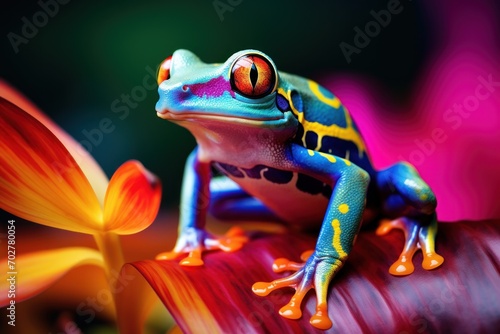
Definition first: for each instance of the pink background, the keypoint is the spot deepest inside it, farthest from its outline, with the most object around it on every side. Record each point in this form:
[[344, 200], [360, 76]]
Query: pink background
[[456, 153]]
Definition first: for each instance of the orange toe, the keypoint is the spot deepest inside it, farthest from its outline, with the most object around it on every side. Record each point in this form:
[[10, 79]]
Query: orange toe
[[230, 245], [290, 311], [401, 268], [261, 289], [282, 264], [432, 261], [306, 255], [385, 227], [167, 256], [321, 320], [193, 259]]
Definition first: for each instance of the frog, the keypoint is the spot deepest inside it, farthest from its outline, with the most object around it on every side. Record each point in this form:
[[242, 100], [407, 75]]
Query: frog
[[275, 146]]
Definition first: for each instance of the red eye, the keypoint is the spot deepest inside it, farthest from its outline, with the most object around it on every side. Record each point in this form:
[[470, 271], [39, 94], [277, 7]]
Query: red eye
[[164, 70], [253, 76]]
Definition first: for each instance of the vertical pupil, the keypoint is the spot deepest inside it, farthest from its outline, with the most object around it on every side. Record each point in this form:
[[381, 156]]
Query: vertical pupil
[[254, 74]]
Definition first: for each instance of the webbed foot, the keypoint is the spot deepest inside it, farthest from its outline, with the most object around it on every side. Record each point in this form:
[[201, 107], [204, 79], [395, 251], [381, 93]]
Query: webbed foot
[[417, 236], [315, 273], [195, 241]]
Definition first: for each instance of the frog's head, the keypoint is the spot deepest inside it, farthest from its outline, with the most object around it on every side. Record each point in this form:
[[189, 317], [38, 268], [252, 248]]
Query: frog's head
[[238, 94]]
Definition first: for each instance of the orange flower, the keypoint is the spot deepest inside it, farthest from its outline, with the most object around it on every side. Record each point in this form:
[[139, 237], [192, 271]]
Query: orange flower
[[48, 178], [41, 181]]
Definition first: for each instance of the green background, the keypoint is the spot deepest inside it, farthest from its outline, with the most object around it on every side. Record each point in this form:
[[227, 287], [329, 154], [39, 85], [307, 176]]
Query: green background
[[90, 53]]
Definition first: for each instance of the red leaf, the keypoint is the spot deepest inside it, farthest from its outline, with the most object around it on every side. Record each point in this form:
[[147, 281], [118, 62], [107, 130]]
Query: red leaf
[[364, 297]]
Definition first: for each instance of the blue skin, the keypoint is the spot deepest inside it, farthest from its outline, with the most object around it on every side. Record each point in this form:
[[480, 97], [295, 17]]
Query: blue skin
[[289, 152]]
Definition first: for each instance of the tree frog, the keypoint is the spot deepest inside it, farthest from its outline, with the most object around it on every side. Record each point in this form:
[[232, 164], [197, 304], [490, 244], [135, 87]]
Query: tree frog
[[288, 150]]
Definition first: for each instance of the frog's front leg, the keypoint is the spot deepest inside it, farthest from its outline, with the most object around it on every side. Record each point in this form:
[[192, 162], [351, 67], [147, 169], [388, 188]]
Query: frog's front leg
[[409, 200], [193, 239], [339, 228]]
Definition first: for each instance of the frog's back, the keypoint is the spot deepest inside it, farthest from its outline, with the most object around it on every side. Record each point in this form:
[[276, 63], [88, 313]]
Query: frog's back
[[325, 124]]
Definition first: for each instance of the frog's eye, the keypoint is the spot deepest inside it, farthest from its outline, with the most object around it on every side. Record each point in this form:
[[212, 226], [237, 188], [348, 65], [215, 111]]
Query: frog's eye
[[164, 70], [253, 76]]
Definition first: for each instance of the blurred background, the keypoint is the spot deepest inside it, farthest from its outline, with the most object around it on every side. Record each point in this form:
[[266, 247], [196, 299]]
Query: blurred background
[[92, 53], [85, 63]]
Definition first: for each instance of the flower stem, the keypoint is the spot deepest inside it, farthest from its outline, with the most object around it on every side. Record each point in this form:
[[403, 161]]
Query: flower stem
[[111, 250]]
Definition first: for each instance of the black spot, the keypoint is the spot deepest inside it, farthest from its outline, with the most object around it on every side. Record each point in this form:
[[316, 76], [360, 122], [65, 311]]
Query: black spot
[[230, 170], [309, 184], [338, 147], [278, 176], [271, 174], [311, 140], [327, 191], [254, 172], [313, 186], [298, 135]]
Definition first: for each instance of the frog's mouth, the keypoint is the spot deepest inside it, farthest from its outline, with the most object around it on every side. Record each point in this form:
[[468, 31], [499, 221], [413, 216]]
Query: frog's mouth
[[194, 116]]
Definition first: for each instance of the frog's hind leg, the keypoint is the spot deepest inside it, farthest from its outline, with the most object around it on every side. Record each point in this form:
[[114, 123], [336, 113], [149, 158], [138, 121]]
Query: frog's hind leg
[[228, 201], [408, 198]]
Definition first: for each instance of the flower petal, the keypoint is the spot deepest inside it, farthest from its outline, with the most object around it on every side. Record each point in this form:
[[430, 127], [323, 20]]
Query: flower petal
[[363, 297], [137, 300], [132, 199], [39, 180], [34, 272], [91, 169], [177, 291]]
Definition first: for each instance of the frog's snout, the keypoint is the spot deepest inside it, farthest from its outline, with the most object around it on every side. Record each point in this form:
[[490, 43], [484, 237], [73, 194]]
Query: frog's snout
[[172, 93], [178, 60]]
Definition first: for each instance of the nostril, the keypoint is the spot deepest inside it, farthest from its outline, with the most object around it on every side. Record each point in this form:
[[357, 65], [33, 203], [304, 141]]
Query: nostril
[[185, 88]]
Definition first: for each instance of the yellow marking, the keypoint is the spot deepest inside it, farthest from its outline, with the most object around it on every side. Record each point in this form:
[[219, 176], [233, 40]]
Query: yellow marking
[[348, 133], [344, 208], [330, 157], [347, 162], [336, 239], [331, 101], [423, 197], [311, 152]]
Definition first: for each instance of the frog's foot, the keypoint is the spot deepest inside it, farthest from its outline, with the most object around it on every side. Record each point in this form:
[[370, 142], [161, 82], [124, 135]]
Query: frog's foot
[[195, 241], [316, 274], [417, 236]]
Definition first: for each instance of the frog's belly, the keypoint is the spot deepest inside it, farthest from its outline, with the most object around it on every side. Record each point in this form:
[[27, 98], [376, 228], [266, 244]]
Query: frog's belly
[[292, 205]]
